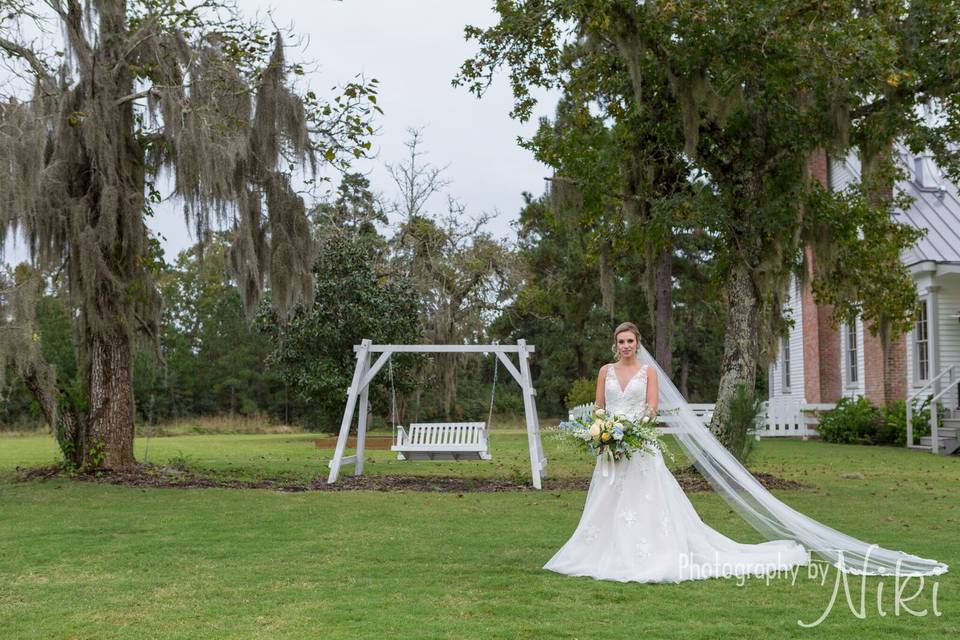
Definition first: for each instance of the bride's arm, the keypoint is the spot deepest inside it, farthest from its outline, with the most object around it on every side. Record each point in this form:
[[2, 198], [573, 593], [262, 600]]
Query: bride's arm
[[601, 400], [653, 394]]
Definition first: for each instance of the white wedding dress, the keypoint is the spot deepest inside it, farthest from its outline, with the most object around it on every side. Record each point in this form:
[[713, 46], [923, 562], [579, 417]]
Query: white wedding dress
[[638, 525]]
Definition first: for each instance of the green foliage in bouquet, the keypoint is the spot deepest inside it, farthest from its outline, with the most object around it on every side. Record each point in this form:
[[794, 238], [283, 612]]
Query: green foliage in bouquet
[[615, 435]]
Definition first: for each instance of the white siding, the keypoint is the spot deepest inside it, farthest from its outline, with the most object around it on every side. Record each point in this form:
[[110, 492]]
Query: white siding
[[793, 309], [945, 327], [948, 346], [946, 333], [844, 172]]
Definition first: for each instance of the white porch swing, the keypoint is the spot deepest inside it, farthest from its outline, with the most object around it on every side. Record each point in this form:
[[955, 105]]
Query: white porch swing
[[442, 440], [436, 441]]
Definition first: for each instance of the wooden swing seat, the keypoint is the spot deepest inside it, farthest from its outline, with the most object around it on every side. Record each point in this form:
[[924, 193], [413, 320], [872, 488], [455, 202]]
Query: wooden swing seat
[[442, 441]]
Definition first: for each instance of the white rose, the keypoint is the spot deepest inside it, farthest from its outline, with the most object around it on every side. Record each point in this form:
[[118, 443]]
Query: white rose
[[595, 429], [601, 412]]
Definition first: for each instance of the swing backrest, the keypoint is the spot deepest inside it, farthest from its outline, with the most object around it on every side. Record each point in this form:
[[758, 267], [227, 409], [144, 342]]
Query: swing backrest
[[448, 435]]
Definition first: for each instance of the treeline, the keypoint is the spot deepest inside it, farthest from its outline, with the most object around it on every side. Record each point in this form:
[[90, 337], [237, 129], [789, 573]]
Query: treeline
[[434, 278], [207, 359]]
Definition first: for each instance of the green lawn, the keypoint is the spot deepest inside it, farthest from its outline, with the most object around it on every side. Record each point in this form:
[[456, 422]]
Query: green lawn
[[82, 560]]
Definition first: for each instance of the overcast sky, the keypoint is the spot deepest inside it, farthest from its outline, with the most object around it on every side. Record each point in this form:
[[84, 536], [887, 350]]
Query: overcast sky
[[414, 49]]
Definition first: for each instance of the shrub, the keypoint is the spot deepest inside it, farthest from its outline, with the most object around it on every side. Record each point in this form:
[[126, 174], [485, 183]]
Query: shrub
[[856, 421], [895, 422], [738, 430], [582, 391], [853, 421]]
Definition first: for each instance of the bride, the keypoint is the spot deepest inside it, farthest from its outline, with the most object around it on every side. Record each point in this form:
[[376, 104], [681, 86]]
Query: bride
[[638, 525]]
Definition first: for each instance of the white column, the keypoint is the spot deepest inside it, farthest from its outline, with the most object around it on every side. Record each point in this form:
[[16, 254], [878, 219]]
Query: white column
[[933, 320]]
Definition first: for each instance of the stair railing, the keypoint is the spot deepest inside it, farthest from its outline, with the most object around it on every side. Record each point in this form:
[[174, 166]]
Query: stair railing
[[939, 390]]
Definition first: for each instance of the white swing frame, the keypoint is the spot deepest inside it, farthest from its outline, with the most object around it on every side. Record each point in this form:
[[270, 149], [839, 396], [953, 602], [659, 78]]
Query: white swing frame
[[365, 372]]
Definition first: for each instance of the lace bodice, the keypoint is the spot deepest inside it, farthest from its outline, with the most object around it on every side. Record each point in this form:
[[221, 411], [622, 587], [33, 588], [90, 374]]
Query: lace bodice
[[631, 400]]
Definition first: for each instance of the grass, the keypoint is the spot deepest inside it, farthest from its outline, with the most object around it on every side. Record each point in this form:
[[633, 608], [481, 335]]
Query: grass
[[224, 424], [81, 560]]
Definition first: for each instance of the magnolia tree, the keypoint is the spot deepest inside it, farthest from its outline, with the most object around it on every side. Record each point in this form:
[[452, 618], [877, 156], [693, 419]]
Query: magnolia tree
[[132, 89]]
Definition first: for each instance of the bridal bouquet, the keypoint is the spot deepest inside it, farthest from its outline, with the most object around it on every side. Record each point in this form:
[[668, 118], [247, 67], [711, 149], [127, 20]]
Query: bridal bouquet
[[612, 435]]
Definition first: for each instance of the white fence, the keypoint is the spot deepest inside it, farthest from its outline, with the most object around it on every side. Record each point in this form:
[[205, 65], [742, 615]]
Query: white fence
[[791, 418], [777, 418], [580, 411]]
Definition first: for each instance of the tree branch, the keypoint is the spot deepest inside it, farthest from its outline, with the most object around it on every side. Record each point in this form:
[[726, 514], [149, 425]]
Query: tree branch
[[624, 197], [901, 94], [28, 56], [137, 95], [72, 17]]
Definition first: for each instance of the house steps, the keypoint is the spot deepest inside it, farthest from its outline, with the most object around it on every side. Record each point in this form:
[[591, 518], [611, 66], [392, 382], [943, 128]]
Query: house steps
[[948, 436]]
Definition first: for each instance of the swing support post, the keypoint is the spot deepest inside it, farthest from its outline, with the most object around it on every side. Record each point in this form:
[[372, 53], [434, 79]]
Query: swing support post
[[538, 461], [352, 393], [364, 373]]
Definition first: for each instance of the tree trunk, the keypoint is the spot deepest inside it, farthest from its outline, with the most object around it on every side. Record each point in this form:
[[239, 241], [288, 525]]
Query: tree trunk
[[114, 191], [65, 422], [740, 342], [401, 410], [607, 299], [684, 376], [664, 312], [449, 385], [109, 438]]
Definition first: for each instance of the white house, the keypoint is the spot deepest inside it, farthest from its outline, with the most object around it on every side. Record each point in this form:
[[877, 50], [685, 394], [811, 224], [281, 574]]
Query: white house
[[819, 364]]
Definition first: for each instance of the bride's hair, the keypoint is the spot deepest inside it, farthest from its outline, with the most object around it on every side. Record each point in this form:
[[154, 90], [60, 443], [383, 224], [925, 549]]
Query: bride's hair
[[624, 326]]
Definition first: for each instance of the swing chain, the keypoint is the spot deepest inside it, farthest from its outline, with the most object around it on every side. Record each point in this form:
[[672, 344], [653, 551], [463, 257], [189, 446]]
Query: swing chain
[[493, 391], [393, 396]]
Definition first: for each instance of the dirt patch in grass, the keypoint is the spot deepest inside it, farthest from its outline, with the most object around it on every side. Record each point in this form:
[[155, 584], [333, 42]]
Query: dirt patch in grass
[[150, 476]]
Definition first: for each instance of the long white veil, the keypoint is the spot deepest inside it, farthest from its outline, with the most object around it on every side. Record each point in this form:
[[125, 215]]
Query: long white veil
[[762, 510]]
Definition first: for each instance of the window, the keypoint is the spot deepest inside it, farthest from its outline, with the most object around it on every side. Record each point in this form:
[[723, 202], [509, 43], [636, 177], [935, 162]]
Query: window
[[921, 339], [852, 369], [785, 362]]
